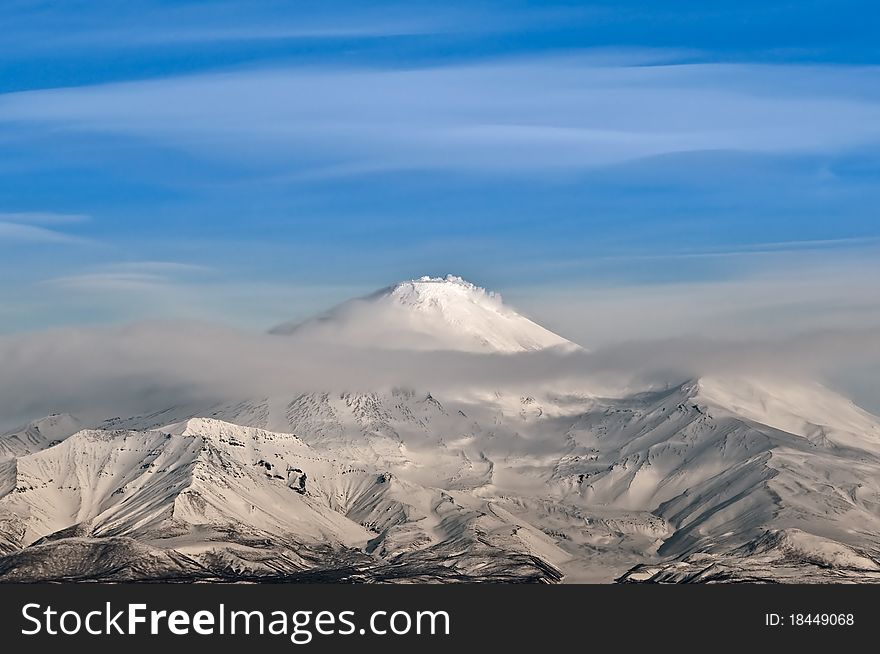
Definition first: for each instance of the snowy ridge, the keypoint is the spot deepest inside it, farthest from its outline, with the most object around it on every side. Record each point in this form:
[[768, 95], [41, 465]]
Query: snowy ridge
[[37, 435]]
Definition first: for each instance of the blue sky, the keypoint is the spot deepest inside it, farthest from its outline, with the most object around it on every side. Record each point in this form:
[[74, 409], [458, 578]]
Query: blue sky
[[250, 162]]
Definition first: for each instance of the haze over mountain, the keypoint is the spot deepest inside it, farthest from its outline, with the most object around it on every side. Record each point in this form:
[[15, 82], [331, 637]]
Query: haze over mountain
[[490, 460]]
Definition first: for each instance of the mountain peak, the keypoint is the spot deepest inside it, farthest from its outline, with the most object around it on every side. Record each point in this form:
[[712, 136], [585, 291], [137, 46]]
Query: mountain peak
[[448, 279], [429, 313], [440, 291]]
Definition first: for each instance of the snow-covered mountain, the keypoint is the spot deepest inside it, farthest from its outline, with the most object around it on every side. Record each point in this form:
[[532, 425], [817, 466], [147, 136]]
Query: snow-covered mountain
[[429, 313], [712, 479], [205, 499]]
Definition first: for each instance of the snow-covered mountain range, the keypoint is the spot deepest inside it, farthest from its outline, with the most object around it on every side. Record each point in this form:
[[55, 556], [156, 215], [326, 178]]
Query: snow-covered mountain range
[[711, 479]]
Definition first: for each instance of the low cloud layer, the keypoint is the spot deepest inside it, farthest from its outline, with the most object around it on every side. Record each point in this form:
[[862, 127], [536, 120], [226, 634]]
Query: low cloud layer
[[106, 372], [807, 318]]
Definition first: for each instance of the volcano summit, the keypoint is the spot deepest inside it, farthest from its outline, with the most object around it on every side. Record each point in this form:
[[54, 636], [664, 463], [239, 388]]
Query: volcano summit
[[429, 313]]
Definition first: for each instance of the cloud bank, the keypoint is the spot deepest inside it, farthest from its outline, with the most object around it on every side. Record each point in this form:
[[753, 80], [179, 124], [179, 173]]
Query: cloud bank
[[105, 372], [802, 318]]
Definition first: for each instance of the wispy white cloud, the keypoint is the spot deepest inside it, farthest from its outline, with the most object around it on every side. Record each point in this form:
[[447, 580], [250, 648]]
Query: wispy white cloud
[[111, 281], [43, 218], [157, 267], [747, 250], [142, 25], [221, 34], [527, 115], [22, 233], [39, 228], [129, 277]]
